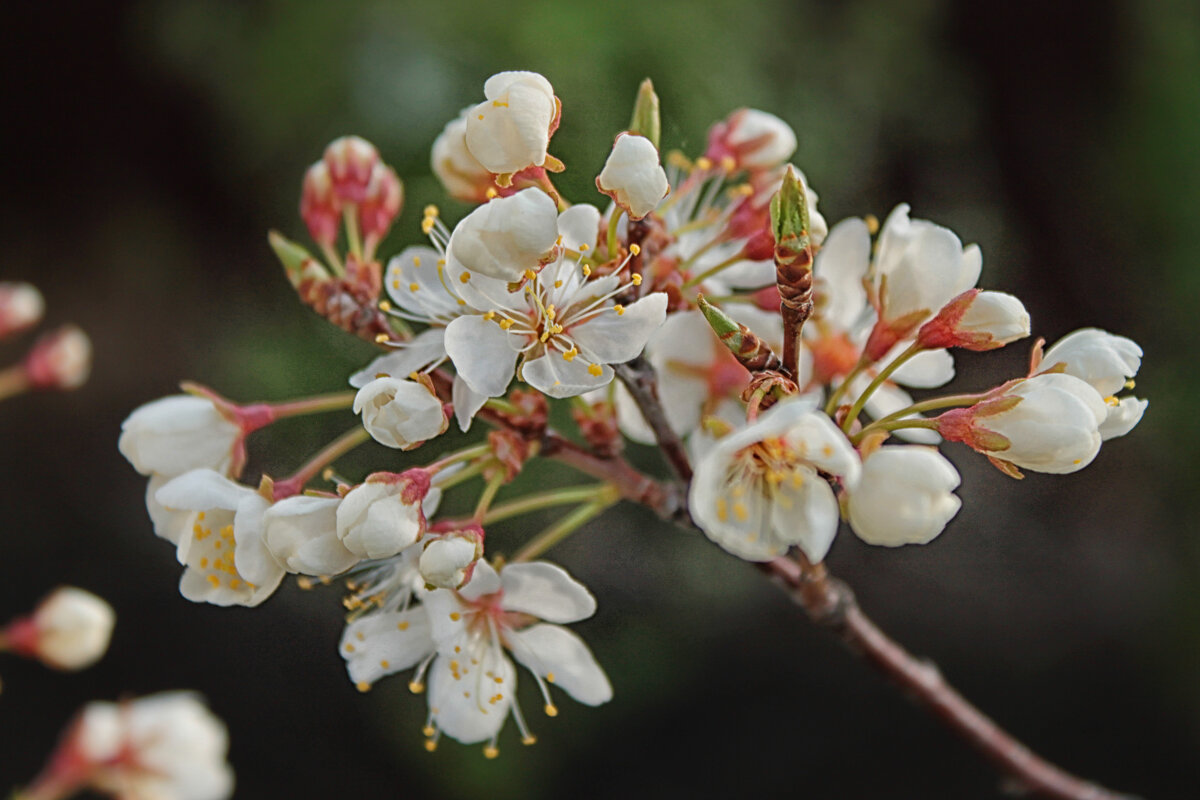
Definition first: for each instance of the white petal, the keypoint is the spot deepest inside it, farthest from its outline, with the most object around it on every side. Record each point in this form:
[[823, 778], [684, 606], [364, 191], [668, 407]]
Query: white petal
[[482, 354], [466, 401], [201, 490], [484, 581], [613, 338], [301, 533], [379, 644], [840, 267], [176, 434], [927, 370], [1123, 417], [557, 654], [579, 225], [506, 236], [414, 284], [463, 706], [553, 375], [546, 591], [810, 519], [425, 348]]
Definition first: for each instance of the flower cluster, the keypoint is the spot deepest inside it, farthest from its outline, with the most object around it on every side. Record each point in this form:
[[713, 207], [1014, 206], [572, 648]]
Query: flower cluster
[[60, 360], [703, 304]]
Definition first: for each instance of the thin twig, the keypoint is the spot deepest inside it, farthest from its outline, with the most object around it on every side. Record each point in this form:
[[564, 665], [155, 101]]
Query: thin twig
[[639, 378]]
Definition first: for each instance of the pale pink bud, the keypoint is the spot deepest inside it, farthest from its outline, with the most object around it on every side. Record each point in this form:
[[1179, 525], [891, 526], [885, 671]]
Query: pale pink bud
[[69, 630], [976, 320], [351, 160], [449, 559], [381, 202], [60, 360], [21, 307], [750, 139], [384, 514], [320, 207]]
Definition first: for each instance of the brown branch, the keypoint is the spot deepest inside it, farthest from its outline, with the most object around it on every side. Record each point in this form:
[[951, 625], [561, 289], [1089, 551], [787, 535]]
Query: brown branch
[[639, 378]]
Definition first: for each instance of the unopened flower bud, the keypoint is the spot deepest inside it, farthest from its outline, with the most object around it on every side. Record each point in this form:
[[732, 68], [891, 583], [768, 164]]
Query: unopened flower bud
[[507, 236], [461, 174], [21, 307], [750, 139], [69, 630], [60, 360], [301, 533], [447, 560], [633, 176], [400, 413], [176, 434], [350, 161], [384, 514], [511, 129], [904, 496], [320, 207], [1047, 423], [1107, 363], [976, 320], [381, 202]]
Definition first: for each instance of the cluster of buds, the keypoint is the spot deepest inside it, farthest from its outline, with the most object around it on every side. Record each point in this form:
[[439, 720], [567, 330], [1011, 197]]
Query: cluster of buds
[[59, 361], [780, 347]]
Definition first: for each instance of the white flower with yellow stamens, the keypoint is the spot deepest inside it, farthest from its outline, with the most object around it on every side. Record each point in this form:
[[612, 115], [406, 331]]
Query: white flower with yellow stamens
[[511, 129], [1107, 363], [760, 490], [565, 328], [217, 528]]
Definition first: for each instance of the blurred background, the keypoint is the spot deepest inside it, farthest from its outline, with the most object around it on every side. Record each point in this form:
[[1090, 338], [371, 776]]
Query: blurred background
[[151, 145]]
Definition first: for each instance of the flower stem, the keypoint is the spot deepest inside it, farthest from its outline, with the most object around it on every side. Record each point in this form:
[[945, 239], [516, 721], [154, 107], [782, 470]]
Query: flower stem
[[949, 401], [294, 483], [350, 215], [612, 231], [502, 405], [557, 497], [560, 530], [466, 454], [489, 494], [335, 261], [313, 405], [836, 398], [13, 381], [883, 375], [464, 475], [708, 273]]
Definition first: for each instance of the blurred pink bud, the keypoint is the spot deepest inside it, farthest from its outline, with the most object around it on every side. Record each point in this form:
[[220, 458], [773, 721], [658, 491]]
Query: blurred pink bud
[[69, 630], [60, 360], [350, 161], [381, 203], [21, 307], [319, 205]]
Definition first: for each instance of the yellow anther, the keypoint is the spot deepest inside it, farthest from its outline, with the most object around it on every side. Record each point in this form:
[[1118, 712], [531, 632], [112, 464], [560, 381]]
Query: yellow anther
[[455, 616], [722, 509], [1112, 401], [385, 663], [380, 338], [491, 751], [546, 334], [620, 309], [551, 710], [198, 531], [583, 248], [745, 190], [234, 583], [491, 193], [428, 730], [595, 369], [413, 376], [528, 739], [558, 284], [227, 532], [204, 563], [214, 580], [215, 544], [430, 745], [200, 516], [430, 210], [549, 677], [827, 450], [586, 270], [359, 635], [304, 582], [416, 261], [462, 302], [1129, 384], [402, 625], [499, 104], [427, 225], [872, 224], [465, 277], [414, 286], [416, 687], [558, 241], [395, 284], [1077, 461], [635, 249], [349, 648], [530, 274], [556, 328], [551, 312], [498, 679], [703, 162], [728, 164], [569, 355], [385, 306], [489, 315], [363, 686], [739, 511], [506, 324], [636, 278]]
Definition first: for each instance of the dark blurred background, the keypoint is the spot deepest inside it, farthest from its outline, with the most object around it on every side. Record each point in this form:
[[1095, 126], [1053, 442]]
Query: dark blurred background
[[151, 145]]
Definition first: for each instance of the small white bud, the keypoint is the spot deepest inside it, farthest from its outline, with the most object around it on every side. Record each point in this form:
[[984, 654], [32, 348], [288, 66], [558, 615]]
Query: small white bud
[[446, 559], [400, 413], [905, 496], [72, 628]]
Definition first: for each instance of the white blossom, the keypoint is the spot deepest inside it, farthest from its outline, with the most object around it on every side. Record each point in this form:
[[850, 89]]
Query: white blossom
[[400, 413], [1047, 423], [217, 528], [69, 630], [511, 129], [565, 328], [759, 491], [1107, 363], [175, 434], [904, 496], [383, 515], [166, 746], [753, 139], [632, 175], [507, 236], [446, 560], [301, 533]]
